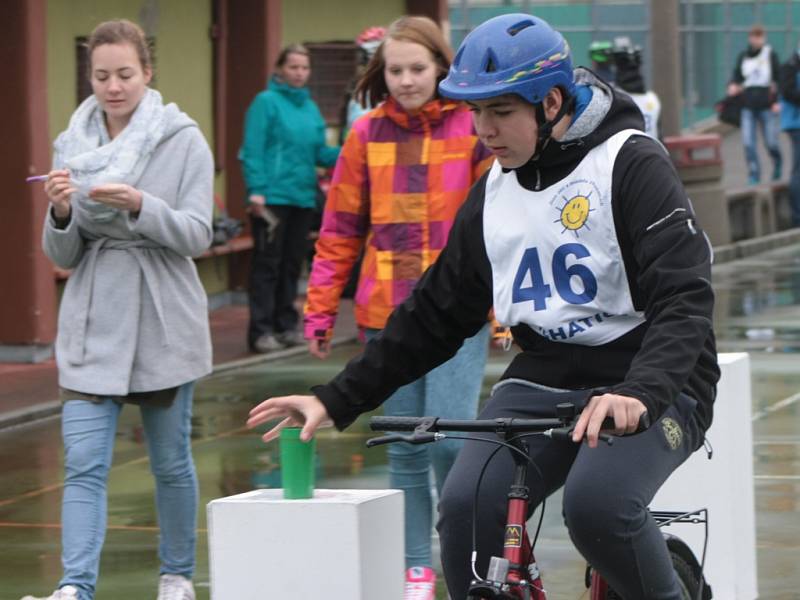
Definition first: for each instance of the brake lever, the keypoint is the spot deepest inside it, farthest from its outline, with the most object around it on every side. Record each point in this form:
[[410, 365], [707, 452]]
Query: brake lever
[[421, 437]]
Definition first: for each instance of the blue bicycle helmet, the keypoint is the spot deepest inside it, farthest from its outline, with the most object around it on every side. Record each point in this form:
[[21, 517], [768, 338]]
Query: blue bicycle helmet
[[510, 54]]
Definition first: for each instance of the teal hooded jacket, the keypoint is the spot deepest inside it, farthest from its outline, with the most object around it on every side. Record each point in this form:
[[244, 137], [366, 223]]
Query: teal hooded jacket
[[284, 141]]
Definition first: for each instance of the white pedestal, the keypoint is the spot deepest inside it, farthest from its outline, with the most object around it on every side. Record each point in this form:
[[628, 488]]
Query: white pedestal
[[724, 485], [339, 544]]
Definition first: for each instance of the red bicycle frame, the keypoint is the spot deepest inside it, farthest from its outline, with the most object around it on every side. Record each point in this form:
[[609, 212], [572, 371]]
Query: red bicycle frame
[[517, 547], [516, 544]]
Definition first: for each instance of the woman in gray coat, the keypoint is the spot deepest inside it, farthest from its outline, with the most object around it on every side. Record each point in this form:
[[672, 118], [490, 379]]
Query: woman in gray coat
[[131, 203]]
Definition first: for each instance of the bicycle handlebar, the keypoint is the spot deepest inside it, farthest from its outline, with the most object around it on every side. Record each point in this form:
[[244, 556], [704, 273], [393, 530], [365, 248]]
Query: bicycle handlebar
[[426, 429], [500, 425]]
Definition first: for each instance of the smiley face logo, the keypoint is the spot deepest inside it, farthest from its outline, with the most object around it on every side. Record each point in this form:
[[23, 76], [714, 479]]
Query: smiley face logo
[[575, 213]]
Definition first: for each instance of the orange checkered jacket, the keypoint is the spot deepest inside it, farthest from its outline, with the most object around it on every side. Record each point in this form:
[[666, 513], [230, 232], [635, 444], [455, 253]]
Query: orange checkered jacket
[[398, 183]]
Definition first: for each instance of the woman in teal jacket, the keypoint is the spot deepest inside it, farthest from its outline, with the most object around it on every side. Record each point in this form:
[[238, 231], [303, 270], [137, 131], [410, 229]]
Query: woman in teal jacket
[[284, 141]]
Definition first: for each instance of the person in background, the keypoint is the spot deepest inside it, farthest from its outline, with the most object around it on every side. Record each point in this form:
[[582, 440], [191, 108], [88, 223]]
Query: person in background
[[404, 171], [130, 204], [368, 42], [284, 142], [600, 54], [790, 122], [756, 77], [628, 69]]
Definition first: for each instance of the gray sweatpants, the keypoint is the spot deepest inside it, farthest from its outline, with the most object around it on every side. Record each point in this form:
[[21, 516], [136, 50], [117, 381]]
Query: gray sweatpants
[[606, 493]]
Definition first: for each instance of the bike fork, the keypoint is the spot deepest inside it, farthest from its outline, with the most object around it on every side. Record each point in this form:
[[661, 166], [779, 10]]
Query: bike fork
[[516, 544]]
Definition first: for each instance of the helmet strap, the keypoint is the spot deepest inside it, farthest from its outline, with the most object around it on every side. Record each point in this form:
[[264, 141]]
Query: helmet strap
[[546, 127]]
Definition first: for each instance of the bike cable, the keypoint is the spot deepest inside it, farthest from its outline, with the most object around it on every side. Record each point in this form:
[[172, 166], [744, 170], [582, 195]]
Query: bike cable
[[500, 445]]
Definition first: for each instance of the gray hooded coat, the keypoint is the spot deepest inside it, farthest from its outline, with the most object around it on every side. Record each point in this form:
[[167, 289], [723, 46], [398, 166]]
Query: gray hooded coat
[[133, 316]]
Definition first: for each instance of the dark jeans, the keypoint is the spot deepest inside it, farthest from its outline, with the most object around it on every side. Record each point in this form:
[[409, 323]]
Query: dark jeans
[[278, 255], [794, 180], [606, 493]]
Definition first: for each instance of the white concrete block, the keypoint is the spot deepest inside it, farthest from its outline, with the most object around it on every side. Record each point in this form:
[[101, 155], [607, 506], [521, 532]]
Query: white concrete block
[[338, 544], [724, 485]]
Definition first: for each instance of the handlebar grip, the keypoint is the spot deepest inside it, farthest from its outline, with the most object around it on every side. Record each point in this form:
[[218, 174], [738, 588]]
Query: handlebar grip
[[394, 423], [644, 423]]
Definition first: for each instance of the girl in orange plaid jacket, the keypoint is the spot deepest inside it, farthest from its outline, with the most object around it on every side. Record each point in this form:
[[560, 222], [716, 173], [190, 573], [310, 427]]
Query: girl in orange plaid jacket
[[404, 171]]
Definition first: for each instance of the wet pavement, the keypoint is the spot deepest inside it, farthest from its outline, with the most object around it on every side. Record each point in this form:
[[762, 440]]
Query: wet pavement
[[758, 311]]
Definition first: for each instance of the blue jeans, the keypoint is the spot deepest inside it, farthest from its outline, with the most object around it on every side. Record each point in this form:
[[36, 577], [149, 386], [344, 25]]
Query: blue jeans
[[451, 390], [794, 181], [88, 430], [768, 121]]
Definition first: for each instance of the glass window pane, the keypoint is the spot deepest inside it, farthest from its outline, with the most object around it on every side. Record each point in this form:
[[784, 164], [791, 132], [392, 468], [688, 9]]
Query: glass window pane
[[579, 42], [773, 14], [743, 14], [777, 39], [621, 14], [709, 14], [563, 14]]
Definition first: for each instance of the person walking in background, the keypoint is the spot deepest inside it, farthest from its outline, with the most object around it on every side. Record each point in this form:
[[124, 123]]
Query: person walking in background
[[368, 42], [629, 79], [790, 122], [404, 171], [130, 204], [756, 77], [601, 57], [284, 141]]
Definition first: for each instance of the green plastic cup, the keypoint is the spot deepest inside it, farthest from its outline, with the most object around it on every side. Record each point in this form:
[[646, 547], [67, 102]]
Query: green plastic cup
[[297, 464]]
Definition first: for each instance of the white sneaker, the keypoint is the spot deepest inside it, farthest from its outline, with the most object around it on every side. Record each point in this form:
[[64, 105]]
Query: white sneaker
[[68, 592], [175, 587]]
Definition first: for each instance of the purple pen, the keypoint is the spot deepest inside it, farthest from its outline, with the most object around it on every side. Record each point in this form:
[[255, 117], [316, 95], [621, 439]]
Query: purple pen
[[36, 178]]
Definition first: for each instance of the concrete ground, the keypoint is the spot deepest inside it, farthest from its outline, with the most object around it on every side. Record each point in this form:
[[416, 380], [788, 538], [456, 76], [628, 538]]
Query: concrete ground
[[758, 311]]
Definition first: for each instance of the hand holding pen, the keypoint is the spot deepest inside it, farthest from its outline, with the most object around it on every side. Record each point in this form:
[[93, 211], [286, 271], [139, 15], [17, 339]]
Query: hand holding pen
[[59, 188]]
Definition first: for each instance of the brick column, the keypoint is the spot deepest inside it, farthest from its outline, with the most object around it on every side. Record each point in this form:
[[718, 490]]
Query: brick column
[[27, 283]]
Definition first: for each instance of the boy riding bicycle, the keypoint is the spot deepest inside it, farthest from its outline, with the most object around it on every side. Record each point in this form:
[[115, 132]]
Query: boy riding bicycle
[[582, 238]]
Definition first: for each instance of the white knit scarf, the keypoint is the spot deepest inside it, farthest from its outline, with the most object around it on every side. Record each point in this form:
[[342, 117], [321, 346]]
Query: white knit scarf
[[94, 159]]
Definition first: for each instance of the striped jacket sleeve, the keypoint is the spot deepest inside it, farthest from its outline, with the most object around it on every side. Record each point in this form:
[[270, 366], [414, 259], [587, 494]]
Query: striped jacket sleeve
[[345, 221]]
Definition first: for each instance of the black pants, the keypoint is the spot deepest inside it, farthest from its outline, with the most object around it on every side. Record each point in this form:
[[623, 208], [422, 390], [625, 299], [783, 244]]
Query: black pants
[[278, 254], [606, 493]]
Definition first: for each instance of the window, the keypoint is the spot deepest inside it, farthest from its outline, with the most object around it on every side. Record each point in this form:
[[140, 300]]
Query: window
[[333, 67]]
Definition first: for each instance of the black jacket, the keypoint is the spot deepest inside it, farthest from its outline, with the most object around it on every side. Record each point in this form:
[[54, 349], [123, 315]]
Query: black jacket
[[667, 259], [757, 97], [789, 89]]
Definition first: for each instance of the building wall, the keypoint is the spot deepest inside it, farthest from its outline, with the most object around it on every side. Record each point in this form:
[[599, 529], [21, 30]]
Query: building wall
[[339, 20]]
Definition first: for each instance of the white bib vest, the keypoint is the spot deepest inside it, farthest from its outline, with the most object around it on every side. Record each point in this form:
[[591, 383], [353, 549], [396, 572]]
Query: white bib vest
[[650, 107], [757, 71], [556, 262]]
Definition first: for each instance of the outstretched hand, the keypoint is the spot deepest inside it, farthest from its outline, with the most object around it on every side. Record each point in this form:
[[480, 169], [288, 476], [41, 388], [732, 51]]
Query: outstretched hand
[[625, 411], [319, 348], [297, 411]]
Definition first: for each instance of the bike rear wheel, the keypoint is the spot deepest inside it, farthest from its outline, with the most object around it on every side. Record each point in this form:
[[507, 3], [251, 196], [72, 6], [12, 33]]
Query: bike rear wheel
[[687, 579]]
